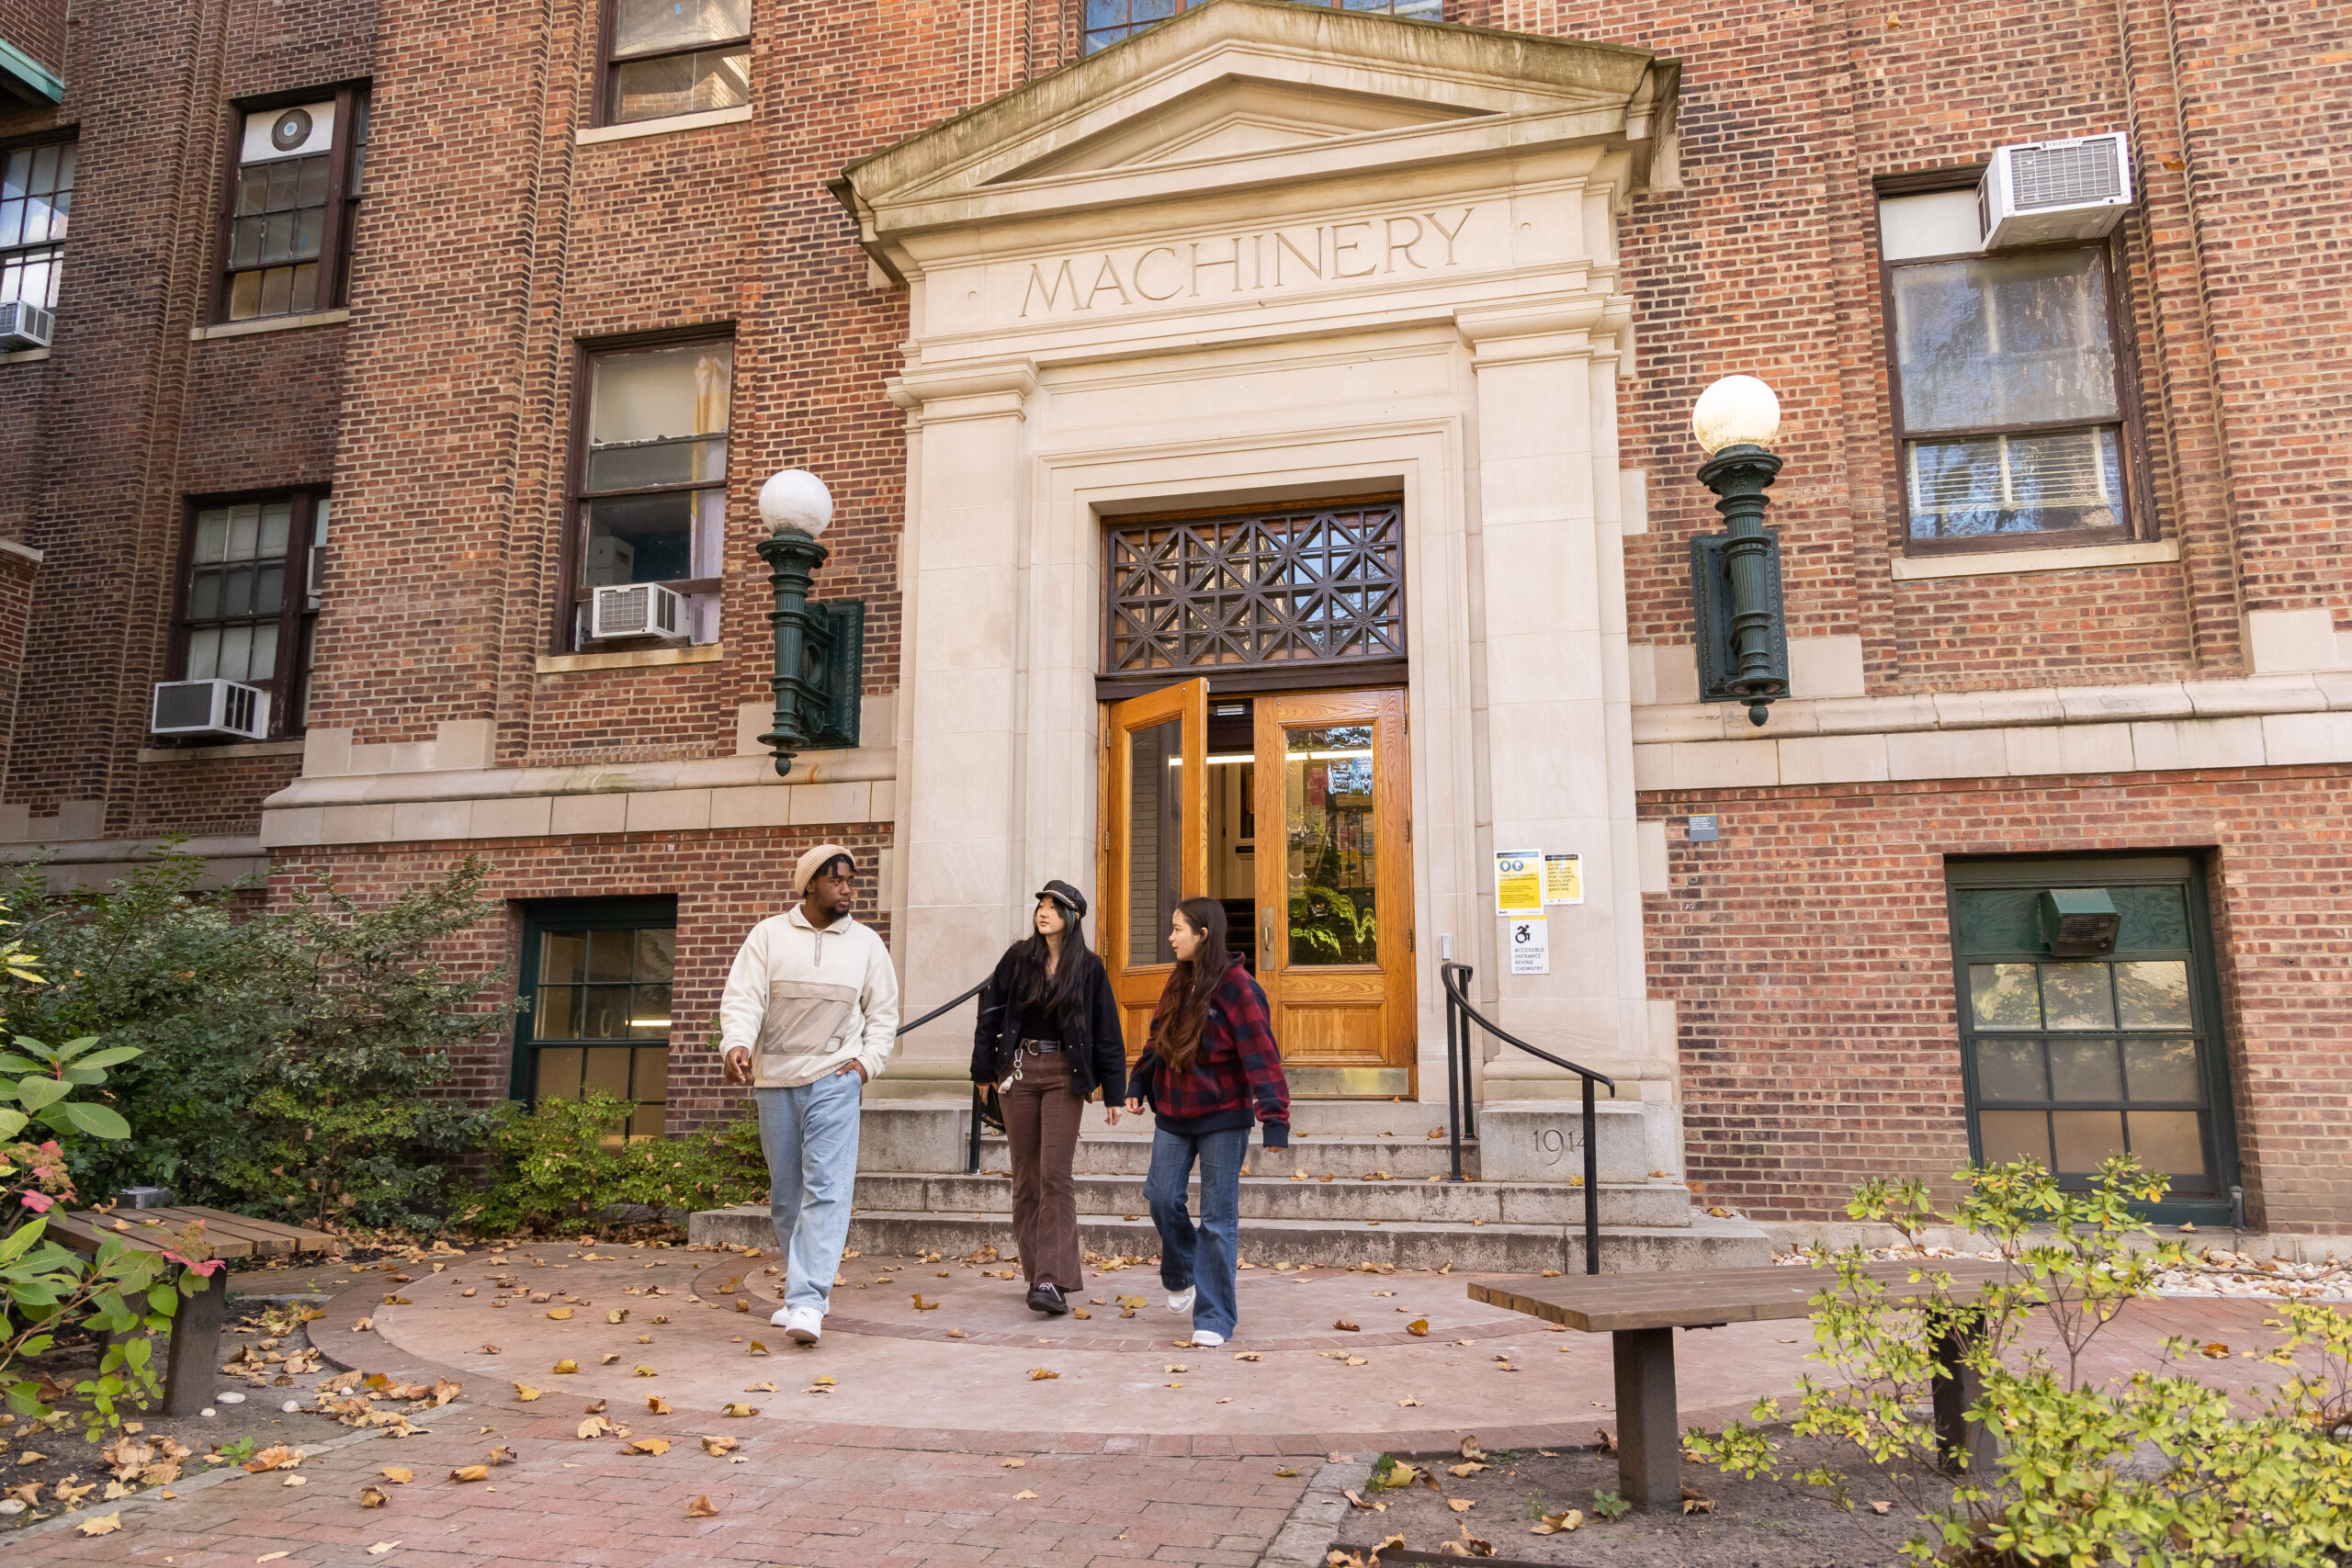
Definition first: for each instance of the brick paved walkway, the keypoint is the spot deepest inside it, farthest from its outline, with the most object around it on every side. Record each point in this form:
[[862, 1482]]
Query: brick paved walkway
[[900, 1460]]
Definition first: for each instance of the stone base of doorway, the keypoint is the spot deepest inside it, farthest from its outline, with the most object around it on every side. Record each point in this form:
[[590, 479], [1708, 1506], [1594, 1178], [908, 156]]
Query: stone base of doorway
[[1704, 1243]]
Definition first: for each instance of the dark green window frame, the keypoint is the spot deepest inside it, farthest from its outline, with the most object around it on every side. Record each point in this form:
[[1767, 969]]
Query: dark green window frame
[[1990, 907], [564, 915]]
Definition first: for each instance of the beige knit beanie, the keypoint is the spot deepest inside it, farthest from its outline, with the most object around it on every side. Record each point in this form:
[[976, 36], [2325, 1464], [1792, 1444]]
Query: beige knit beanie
[[815, 861]]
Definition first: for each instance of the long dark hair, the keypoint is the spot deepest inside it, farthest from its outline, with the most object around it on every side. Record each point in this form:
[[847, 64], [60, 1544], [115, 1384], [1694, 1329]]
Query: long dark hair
[[1051, 998], [1183, 1007]]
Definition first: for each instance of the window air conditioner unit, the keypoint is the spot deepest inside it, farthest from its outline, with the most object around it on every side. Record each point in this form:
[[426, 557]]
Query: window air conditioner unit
[[2039, 191], [26, 326], [635, 609], [211, 707]]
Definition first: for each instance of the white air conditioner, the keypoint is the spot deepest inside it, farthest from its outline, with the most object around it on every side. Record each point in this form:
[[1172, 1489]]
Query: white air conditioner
[[26, 326], [2036, 192], [211, 707], [635, 609]]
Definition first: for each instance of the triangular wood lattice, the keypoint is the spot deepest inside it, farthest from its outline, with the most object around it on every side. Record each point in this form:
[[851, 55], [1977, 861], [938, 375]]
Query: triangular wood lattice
[[1305, 585]]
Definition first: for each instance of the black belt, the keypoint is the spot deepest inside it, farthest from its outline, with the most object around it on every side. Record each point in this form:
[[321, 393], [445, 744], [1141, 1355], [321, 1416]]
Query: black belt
[[1041, 1047]]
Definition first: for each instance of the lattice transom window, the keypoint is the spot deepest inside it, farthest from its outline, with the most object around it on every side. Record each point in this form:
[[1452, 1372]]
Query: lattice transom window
[[1320, 584]]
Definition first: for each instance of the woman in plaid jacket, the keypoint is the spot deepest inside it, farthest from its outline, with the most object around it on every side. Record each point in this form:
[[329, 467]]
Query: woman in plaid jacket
[[1211, 1069]]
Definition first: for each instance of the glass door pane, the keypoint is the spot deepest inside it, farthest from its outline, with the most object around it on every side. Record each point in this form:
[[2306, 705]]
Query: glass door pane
[[1331, 846], [1155, 839]]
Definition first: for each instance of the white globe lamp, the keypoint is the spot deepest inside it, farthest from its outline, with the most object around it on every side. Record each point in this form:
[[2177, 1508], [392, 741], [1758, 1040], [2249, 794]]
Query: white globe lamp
[[1738, 411], [796, 500]]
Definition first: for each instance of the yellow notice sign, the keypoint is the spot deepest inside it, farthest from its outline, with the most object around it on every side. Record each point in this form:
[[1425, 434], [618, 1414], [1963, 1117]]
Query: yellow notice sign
[[1563, 879], [1519, 882]]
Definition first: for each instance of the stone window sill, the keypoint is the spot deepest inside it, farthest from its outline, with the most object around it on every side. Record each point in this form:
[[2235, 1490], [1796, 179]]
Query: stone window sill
[[2002, 563], [224, 752], [24, 357], [631, 658], [588, 136], [267, 324]]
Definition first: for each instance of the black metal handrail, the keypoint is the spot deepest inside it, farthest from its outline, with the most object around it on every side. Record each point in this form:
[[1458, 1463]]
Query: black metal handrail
[[972, 1158], [1459, 1016]]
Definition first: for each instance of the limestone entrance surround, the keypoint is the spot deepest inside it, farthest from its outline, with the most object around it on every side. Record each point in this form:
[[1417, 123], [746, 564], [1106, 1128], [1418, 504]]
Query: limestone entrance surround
[[1269, 252]]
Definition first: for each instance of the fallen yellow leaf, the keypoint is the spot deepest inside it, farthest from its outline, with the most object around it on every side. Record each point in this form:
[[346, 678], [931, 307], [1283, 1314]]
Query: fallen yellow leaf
[[399, 1475], [1556, 1524], [720, 1445], [373, 1497], [567, 1365], [526, 1393], [1460, 1505], [608, 1357], [738, 1410], [1022, 1495], [1419, 1329], [1012, 1463], [616, 1315], [922, 1305], [759, 1349], [658, 1406], [381, 1547], [645, 1371], [596, 1427], [701, 1508], [104, 1524], [470, 1472], [1248, 1356], [558, 1313], [648, 1446], [1039, 1375]]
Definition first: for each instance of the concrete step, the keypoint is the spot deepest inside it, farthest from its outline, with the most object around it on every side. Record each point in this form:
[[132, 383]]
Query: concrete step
[[1705, 1243], [1129, 1154], [1658, 1203]]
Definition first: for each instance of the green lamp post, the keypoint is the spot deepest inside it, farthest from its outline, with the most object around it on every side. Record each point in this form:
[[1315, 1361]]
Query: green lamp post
[[817, 645], [1743, 633]]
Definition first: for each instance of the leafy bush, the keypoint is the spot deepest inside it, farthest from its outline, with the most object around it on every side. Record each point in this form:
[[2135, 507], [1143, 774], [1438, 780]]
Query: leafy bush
[[293, 1063], [2155, 1469], [563, 1166], [44, 1289]]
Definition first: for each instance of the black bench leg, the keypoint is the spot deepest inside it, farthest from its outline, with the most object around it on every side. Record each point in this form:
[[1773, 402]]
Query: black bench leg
[[1958, 1437], [1649, 1442], [192, 1357]]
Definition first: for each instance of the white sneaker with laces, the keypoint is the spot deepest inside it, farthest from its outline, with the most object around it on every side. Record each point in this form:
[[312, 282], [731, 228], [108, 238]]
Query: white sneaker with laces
[[1205, 1339], [1181, 1301], [782, 1316], [803, 1324]]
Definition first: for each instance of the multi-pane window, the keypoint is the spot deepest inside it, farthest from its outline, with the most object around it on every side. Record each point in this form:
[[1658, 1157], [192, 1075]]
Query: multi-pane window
[[672, 57], [292, 205], [653, 486], [35, 198], [2070, 1059], [597, 975], [247, 601], [1108, 21], [2007, 401]]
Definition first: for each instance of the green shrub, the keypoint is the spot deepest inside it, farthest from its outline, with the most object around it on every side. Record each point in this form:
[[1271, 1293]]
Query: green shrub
[[294, 1063], [562, 1165], [2154, 1469]]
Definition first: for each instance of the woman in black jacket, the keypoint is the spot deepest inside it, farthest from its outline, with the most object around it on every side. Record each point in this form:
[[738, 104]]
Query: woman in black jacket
[[1049, 1033]]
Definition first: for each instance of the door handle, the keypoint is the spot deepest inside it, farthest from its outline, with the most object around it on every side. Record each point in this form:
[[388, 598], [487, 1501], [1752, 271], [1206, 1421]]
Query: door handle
[[1265, 935]]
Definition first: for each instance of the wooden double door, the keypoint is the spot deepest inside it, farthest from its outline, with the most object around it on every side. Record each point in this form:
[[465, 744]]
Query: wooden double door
[[1292, 811]]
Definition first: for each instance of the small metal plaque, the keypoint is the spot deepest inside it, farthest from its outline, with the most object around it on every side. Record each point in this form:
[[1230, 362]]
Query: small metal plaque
[[1705, 829]]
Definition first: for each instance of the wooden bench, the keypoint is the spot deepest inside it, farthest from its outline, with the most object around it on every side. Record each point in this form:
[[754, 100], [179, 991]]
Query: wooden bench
[[1641, 1311], [192, 1356]]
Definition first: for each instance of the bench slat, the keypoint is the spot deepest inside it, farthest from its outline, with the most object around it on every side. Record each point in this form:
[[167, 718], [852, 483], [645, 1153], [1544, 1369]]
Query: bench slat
[[221, 1226], [298, 1237], [83, 1234], [1607, 1304]]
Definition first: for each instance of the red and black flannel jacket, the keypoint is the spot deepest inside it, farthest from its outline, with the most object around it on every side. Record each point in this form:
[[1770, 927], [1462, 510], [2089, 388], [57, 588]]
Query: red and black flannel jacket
[[1236, 1076]]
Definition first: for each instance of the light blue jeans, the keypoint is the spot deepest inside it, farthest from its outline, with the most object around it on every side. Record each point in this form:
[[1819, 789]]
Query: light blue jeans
[[1209, 1256], [809, 1135]]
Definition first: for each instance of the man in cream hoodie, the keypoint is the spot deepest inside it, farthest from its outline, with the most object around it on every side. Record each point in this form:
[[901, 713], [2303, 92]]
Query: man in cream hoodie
[[809, 1015]]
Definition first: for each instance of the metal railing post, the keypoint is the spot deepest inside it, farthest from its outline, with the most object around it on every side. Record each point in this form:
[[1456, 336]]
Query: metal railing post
[[1591, 1184], [972, 1160], [1456, 1090]]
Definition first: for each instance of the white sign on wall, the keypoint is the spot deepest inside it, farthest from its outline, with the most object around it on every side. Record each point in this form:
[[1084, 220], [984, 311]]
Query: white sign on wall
[[1531, 946]]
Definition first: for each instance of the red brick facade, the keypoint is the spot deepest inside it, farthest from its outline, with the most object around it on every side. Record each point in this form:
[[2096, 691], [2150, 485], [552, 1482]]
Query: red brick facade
[[1806, 952]]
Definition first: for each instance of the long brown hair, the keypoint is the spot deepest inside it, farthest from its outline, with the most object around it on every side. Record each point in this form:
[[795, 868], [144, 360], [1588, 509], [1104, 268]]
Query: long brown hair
[[1184, 1008]]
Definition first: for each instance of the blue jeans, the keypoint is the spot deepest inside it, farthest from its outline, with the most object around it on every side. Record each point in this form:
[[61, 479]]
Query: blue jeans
[[1207, 1257], [809, 1135]]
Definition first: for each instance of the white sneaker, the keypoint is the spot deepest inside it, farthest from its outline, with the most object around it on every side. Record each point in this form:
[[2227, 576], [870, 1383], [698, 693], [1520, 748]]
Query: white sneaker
[[1181, 1301], [803, 1324], [1202, 1340], [781, 1316]]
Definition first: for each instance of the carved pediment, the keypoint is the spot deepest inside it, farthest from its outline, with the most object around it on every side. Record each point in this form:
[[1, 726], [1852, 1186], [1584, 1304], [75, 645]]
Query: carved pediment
[[1236, 94]]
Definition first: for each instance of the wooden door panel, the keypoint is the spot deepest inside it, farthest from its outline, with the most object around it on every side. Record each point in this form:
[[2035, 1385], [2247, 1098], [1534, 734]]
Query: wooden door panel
[[1155, 843], [1335, 892]]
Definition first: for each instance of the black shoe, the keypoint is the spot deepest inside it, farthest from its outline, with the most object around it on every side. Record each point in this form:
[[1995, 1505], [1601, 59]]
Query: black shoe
[[1048, 1299]]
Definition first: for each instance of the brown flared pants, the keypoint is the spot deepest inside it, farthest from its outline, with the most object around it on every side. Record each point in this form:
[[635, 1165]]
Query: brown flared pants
[[1041, 1116]]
